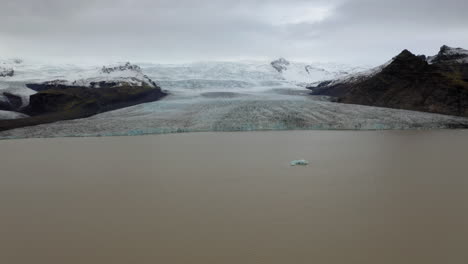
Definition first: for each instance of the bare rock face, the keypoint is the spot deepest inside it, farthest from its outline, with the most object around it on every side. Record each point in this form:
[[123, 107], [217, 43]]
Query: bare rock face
[[10, 102], [450, 55], [6, 72], [280, 64], [126, 67], [438, 84]]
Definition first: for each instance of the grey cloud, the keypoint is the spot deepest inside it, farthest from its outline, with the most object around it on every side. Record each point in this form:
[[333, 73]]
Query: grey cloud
[[351, 31]]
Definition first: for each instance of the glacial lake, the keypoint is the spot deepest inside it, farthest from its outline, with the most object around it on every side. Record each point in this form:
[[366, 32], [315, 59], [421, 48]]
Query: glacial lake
[[366, 197]]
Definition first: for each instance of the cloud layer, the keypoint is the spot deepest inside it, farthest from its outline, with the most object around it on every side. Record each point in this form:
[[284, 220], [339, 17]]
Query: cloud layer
[[349, 31]]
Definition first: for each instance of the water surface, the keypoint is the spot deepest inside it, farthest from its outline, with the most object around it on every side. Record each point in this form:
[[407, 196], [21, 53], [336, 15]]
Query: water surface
[[366, 197]]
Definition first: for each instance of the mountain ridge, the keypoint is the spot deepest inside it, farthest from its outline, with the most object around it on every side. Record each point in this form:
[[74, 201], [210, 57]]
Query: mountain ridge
[[437, 84]]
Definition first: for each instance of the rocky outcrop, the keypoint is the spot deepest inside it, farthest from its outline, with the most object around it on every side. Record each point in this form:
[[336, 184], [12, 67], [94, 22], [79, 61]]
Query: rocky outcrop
[[448, 55], [438, 84], [280, 64], [6, 72], [90, 100], [79, 102], [126, 67], [10, 102]]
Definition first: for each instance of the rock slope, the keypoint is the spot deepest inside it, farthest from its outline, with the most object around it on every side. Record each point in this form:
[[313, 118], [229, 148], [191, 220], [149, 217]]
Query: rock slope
[[438, 84]]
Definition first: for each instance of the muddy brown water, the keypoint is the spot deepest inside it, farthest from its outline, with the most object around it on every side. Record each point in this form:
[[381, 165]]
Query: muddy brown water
[[366, 197]]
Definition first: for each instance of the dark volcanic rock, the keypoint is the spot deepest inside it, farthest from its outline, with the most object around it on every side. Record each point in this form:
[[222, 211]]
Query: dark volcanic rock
[[55, 84], [15, 101], [410, 82], [327, 88], [5, 106], [65, 103], [90, 99], [12, 103]]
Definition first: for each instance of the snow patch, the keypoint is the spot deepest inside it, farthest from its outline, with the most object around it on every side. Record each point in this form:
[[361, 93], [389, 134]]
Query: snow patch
[[354, 77], [446, 53], [302, 74], [17, 89], [5, 115]]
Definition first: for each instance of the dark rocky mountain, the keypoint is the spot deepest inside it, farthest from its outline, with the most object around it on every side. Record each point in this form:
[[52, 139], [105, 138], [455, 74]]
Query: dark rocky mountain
[[449, 55], [438, 84], [74, 102], [11, 102]]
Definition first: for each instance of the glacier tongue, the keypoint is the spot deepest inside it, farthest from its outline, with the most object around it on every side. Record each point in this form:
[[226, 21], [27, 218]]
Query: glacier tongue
[[245, 112]]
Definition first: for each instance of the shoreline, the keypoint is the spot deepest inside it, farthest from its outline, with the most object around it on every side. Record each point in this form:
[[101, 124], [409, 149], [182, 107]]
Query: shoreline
[[238, 131]]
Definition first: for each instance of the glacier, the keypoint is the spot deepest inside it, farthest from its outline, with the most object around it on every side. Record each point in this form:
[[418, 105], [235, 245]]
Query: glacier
[[222, 96], [247, 112]]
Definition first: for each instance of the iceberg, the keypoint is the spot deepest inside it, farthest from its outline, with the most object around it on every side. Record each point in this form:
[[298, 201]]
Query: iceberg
[[299, 163]]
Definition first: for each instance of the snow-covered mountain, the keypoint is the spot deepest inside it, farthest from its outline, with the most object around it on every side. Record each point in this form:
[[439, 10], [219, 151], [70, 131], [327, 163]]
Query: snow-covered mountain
[[232, 74], [449, 55], [349, 78], [107, 76], [303, 73], [243, 75], [446, 55], [437, 84], [15, 91], [196, 77]]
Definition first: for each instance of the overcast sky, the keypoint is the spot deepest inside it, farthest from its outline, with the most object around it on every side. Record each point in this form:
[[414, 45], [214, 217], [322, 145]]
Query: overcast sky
[[347, 31]]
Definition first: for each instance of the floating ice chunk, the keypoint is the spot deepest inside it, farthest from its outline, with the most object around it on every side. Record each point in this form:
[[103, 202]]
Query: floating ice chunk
[[299, 163]]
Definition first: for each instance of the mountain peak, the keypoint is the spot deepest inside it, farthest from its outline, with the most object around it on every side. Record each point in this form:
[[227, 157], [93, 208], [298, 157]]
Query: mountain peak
[[280, 64], [126, 67], [404, 55], [450, 55], [6, 72]]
